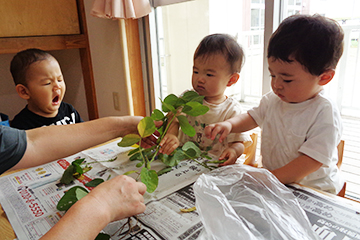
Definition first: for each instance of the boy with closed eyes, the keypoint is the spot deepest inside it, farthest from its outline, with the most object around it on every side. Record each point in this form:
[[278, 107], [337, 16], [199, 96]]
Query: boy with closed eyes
[[39, 80]]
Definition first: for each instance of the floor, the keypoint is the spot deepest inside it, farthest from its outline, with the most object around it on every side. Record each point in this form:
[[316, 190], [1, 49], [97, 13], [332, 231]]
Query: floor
[[351, 161]]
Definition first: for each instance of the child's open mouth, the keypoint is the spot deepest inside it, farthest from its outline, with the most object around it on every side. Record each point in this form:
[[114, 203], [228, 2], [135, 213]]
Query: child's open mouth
[[55, 100]]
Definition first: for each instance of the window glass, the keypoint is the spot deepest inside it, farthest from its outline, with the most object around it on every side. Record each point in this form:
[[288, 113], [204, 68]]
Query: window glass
[[180, 28]]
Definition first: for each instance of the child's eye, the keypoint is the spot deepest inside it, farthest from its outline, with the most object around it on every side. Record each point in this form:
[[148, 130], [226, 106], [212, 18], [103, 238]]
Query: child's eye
[[287, 81], [210, 75], [195, 72]]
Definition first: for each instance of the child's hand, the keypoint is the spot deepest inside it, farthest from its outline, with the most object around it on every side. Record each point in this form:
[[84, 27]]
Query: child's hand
[[169, 143], [222, 128], [229, 154]]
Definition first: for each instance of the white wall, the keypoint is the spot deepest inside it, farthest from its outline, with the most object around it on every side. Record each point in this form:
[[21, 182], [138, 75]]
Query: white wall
[[108, 71], [106, 53]]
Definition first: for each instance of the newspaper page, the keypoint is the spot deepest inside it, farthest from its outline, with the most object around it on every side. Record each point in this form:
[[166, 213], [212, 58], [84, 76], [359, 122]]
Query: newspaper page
[[29, 197], [330, 218]]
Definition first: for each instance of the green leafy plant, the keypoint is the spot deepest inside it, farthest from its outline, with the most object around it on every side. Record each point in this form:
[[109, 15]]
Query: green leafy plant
[[175, 107]]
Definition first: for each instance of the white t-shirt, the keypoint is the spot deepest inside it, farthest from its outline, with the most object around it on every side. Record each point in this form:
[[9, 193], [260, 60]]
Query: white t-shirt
[[217, 113], [312, 128]]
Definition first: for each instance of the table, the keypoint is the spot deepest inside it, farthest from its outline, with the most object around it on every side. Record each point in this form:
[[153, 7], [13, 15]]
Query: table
[[185, 190]]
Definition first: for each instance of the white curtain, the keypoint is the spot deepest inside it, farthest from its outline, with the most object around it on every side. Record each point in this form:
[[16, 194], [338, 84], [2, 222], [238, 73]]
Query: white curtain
[[115, 9], [158, 3]]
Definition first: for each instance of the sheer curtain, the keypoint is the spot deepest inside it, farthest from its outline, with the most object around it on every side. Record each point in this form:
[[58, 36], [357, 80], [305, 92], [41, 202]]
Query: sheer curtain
[[115, 9]]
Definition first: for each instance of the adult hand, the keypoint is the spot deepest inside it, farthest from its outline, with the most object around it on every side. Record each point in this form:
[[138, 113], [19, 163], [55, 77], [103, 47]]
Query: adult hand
[[120, 197]]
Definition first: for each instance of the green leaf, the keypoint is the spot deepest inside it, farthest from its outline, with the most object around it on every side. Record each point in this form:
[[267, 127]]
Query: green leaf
[[78, 161], [146, 127], [94, 182], [157, 115], [78, 168], [150, 179], [71, 197], [173, 160], [195, 109], [68, 175], [171, 99], [129, 140], [191, 149], [192, 96], [102, 236], [80, 193], [168, 107], [185, 126]]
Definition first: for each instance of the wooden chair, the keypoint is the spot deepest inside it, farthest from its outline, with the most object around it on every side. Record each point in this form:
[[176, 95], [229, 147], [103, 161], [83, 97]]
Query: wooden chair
[[250, 151], [340, 148]]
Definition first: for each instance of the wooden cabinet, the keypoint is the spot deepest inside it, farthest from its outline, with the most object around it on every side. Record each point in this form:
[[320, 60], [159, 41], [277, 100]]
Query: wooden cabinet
[[49, 25]]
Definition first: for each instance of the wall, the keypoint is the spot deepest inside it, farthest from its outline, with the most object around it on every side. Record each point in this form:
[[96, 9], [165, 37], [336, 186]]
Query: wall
[[106, 53], [107, 66]]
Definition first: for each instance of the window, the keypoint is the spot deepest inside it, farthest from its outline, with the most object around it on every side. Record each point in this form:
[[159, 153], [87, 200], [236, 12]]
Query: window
[[180, 27]]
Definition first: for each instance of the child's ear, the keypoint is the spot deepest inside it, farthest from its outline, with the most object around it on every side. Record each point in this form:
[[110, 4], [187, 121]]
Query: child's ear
[[22, 91], [326, 77], [233, 79]]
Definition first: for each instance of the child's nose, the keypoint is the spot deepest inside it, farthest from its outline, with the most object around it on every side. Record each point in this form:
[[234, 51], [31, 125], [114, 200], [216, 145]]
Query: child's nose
[[57, 85], [276, 82], [201, 79]]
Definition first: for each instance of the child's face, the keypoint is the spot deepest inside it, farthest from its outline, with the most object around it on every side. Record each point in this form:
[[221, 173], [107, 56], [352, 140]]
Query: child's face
[[291, 82], [211, 75], [45, 87]]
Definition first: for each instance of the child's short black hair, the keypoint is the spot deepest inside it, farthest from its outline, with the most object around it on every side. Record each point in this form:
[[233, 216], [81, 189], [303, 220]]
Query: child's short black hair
[[316, 42], [224, 44], [21, 62]]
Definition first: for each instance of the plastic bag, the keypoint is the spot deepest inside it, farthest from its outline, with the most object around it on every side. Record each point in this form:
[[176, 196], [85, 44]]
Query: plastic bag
[[243, 202]]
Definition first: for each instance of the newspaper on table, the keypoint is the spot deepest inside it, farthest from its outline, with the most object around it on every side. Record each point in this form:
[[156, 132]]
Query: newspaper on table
[[29, 199]]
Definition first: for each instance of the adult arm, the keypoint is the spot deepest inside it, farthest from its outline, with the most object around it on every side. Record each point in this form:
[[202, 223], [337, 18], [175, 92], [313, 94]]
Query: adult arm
[[112, 200], [46, 144]]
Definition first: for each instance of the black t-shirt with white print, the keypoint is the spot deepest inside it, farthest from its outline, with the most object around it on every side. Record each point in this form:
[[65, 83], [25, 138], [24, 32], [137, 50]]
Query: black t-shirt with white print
[[27, 120]]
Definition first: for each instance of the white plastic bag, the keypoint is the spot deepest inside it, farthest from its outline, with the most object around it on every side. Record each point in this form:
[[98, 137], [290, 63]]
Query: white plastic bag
[[243, 202]]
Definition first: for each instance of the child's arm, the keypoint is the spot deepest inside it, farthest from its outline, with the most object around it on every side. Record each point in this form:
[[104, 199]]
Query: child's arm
[[297, 169], [170, 141], [237, 124], [232, 153]]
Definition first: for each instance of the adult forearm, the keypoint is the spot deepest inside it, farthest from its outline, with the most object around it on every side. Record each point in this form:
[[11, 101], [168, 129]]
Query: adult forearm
[[53, 142], [82, 221]]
